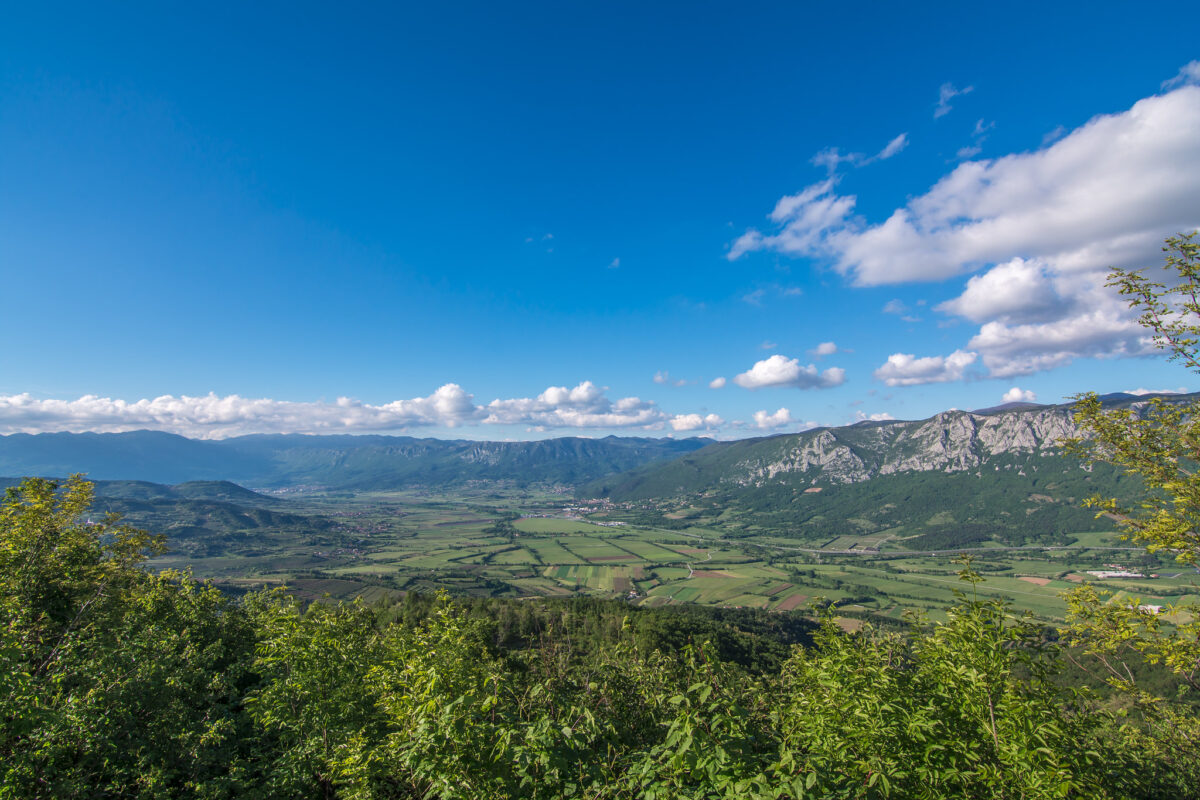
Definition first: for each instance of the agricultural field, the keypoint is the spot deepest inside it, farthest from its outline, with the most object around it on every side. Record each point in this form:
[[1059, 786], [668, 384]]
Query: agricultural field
[[379, 545]]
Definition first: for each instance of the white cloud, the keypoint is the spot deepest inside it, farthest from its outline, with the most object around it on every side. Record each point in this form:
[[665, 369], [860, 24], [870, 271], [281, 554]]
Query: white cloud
[[824, 349], [1019, 395], [893, 147], [614, 264], [768, 345], [831, 158], [780, 419], [716, 383], [1189, 73], [978, 137], [694, 422], [1107, 193], [1042, 228], [1023, 349], [664, 377], [1018, 290], [585, 406], [1140, 391], [882, 416], [807, 219], [779, 370], [904, 369], [214, 417], [1034, 319], [946, 93]]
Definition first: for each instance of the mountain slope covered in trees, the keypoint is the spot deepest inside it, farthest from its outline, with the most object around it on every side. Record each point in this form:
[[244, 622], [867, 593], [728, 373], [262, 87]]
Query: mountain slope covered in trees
[[1023, 438]]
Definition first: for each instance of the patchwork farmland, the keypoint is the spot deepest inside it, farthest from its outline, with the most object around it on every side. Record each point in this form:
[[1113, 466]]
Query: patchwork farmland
[[526, 546]]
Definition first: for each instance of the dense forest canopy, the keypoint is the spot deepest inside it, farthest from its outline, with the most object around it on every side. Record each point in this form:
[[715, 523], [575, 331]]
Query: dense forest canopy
[[118, 682]]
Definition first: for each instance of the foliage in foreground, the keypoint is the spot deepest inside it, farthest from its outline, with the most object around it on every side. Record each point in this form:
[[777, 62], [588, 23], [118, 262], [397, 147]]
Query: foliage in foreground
[[115, 682]]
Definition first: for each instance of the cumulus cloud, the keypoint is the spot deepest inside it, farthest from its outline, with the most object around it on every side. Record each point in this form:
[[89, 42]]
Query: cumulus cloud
[[585, 406], [695, 422], [215, 417], [1009, 350], [1107, 193], [1019, 395], [824, 349], [1041, 229], [779, 370], [1016, 291], [905, 369], [716, 383], [882, 416], [780, 419], [946, 93], [1034, 318]]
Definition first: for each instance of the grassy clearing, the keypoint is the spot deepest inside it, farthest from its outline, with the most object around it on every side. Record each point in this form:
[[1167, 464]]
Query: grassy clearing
[[548, 525]]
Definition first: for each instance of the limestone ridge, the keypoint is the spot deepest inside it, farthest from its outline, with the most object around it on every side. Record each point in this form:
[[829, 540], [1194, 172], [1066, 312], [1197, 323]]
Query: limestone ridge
[[953, 441], [1008, 438]]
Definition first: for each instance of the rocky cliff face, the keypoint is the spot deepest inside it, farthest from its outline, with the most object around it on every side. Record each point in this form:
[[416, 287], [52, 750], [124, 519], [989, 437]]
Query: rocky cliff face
[[953, 441]]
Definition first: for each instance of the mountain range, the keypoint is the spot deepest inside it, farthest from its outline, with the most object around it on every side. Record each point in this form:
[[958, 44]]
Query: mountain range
[[1016, 436], [955, 478], [332, 462]]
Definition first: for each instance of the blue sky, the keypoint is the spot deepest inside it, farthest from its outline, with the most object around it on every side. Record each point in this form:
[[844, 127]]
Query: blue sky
[[525, 220]]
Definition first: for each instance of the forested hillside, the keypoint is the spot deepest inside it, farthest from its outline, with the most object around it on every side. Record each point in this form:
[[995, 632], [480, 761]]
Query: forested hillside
[[119, 683], [1024, 439], [953, 480]]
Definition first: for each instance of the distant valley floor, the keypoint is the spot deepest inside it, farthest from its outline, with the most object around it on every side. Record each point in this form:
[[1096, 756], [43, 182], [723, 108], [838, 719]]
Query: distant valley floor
[[376, 545]]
